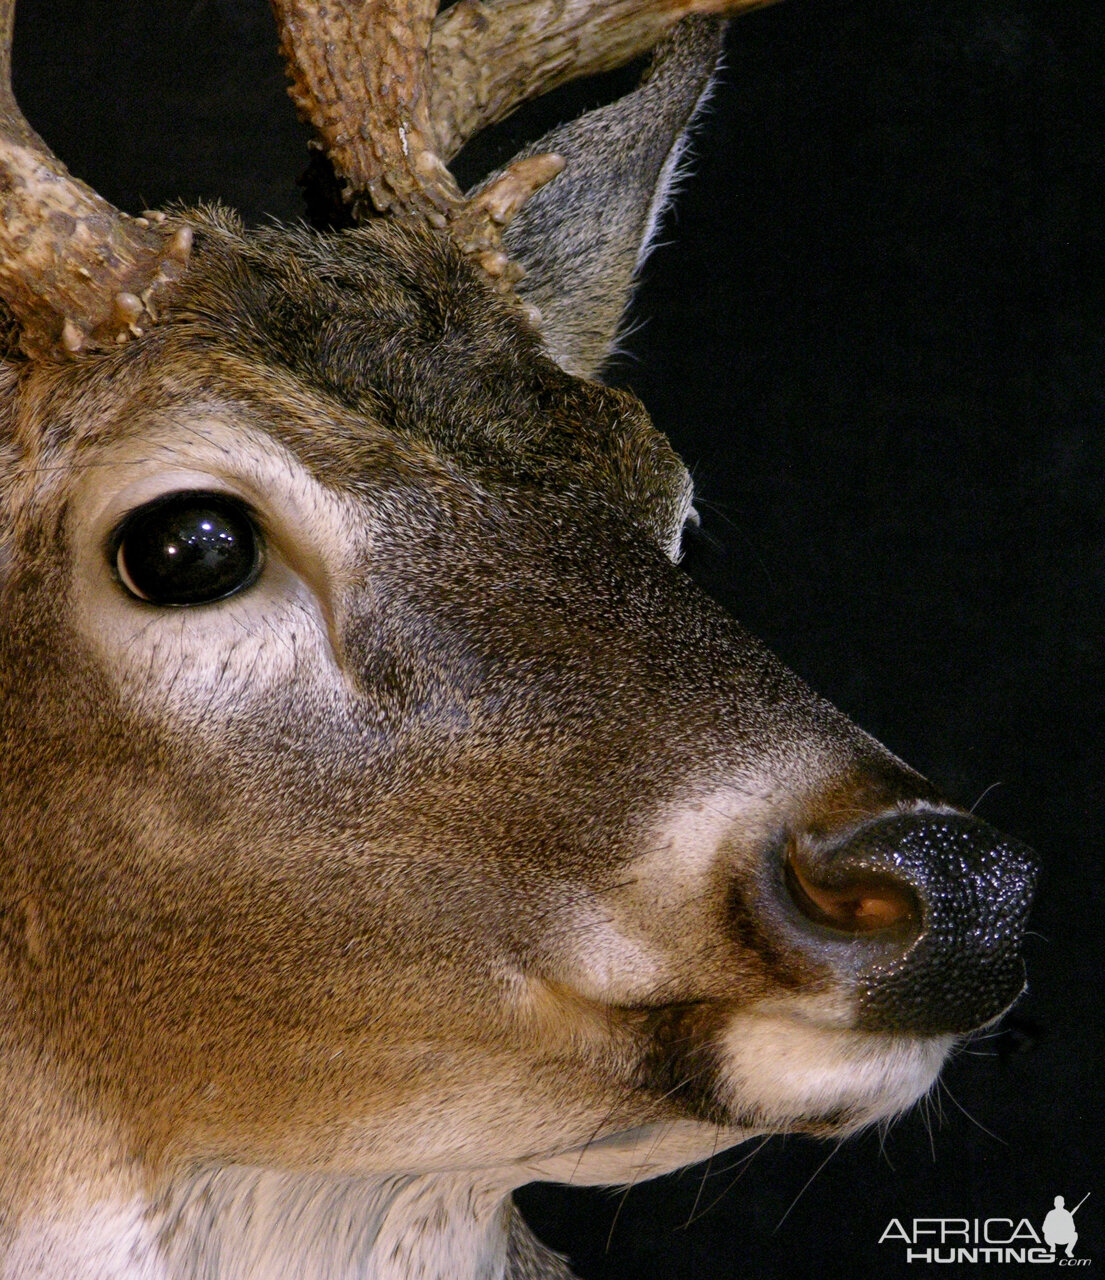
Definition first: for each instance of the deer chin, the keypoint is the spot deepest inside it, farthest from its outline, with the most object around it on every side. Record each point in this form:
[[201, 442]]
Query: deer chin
[[786, 1073], [787, 1065]]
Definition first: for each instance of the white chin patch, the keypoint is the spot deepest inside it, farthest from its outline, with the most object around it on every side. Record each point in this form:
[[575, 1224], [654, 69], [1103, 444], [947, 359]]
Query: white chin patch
[[793, 1073]]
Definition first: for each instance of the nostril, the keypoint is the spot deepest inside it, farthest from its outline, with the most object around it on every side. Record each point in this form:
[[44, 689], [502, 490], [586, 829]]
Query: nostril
[[855, 903], [921, 912]]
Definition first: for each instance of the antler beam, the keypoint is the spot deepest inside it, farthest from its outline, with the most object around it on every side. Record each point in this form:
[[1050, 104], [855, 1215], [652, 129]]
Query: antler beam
[[358, 70], [74, 270]]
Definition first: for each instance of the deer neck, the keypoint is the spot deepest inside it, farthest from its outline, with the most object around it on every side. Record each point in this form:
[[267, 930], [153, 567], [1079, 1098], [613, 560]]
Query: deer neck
[[241, 1223]]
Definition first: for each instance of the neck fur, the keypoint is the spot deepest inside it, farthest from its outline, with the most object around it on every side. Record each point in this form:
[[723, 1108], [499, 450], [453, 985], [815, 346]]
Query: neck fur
[[237, 1223]]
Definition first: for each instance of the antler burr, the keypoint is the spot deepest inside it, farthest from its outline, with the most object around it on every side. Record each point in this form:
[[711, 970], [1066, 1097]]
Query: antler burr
[[74, 270]]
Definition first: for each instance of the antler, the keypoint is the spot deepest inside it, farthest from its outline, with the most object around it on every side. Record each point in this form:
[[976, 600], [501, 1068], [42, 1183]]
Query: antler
[[359, 71], [74, 270], [389, 91]]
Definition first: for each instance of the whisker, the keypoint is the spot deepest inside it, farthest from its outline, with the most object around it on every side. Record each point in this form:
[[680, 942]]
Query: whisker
[[952, 1098], [832, 1152], [743, 1166], [702, 1180], [633, 1182], [598, 1129], [984, 795]]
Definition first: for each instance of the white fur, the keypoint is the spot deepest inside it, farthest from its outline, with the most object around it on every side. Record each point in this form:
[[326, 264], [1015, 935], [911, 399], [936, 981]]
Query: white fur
[[626, 944], [684, 512], [235, 1223], [102, 1241], [673, 172], [789, 1067], [258, 1224], [635, 1155]]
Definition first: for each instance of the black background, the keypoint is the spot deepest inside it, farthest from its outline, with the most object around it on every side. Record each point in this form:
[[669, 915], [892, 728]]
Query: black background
[[876, 332]]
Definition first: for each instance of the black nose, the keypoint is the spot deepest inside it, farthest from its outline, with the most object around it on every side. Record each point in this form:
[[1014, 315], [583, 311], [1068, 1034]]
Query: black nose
[[923, 912]]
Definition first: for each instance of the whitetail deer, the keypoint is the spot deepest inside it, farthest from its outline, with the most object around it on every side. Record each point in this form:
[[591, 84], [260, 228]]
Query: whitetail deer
[[387, 821]]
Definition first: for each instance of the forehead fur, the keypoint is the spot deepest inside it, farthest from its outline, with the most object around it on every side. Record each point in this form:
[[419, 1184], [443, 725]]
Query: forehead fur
[[397, 326]]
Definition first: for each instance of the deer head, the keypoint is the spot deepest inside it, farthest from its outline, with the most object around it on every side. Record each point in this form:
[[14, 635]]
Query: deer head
[[388, 822]]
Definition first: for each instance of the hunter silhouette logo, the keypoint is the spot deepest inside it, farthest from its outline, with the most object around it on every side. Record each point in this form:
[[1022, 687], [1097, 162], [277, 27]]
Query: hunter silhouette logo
[[960, 1240], [1059, 1225]]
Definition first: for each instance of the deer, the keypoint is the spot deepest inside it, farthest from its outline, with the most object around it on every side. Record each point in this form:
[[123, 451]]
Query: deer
[[388, 821]]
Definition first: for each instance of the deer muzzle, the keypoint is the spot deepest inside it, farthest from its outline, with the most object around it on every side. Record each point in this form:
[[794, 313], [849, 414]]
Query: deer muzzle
[[923, 913]]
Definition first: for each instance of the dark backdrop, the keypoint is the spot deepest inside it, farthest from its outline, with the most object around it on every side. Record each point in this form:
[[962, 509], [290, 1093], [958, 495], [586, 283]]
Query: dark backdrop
[[876, 333]]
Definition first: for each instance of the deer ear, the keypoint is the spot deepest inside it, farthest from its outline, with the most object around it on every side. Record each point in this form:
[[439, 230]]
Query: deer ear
[[583, 236]]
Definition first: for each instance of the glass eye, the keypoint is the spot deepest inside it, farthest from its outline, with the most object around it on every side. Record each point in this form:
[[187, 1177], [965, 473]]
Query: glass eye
[[188, 548]]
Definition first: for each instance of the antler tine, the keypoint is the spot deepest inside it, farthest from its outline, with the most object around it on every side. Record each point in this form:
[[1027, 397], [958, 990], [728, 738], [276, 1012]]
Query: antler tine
[[487, 58], [360, 76], [74, 271]]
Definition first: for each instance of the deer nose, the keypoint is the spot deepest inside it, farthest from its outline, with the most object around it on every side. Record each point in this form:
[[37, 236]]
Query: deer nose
[[924, 913]]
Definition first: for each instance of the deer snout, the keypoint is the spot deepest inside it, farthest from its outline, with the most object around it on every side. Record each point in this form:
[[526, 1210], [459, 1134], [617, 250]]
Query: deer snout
[[923, 912]]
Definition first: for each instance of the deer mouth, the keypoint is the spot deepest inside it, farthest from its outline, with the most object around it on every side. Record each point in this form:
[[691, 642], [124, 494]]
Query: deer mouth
[[842, 970]]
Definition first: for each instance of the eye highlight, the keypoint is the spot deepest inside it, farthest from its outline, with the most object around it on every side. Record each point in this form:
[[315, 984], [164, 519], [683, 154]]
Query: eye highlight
[[187, 548]]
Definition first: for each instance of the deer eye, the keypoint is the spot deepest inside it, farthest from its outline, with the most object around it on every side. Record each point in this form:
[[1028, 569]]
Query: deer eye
[[187, 548]]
